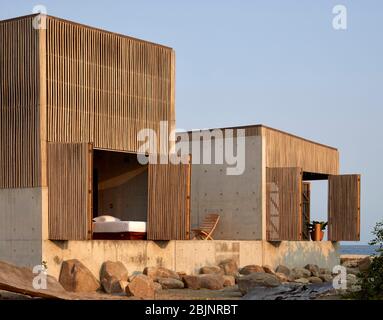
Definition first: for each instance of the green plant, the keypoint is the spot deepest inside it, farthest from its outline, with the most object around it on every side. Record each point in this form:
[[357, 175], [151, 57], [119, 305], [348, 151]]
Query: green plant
[[378, 233], [311, 225], [371, 281]]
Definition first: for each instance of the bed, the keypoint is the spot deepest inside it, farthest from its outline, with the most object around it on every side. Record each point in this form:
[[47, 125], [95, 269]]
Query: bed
[[123, 230]]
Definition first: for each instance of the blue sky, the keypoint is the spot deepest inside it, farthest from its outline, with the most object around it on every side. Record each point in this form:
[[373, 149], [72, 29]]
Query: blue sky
[[279, 63]]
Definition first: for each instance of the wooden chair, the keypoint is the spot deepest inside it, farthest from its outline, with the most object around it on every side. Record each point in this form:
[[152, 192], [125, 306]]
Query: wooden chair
[[206, 229]]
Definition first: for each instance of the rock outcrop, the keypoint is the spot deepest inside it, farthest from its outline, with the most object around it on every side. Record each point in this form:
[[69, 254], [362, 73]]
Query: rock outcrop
[[75, 277]]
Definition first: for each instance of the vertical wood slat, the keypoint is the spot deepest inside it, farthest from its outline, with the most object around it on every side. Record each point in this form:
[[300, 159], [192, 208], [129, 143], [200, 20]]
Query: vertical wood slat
[[344, 207], [285, 150], [19, 104], [104, 88], [306, 200], [283, 204], [69, 191], [168, 202]]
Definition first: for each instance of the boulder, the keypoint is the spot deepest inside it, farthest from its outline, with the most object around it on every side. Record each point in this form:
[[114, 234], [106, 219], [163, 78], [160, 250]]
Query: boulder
[[229, 267], [283, 269], [192, 282], [315, 279], [123, 285], [324, 271], [211, 281], [282, 277], [228, 281], [250, 269], [268, 269], [160, 272], [326, 277], [351, 261], [211, 270], [354, 271], [75, 277], [111, 274], [313, 268], [257, 279], [170, 283], [22, 280], [113, 285], [135, 273], [142, 287], [157, 286], [302, 280], [364, 264], [300, 273]]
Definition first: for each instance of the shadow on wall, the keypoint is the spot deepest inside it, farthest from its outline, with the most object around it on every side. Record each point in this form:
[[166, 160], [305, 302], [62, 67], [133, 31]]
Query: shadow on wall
[[300, 253]]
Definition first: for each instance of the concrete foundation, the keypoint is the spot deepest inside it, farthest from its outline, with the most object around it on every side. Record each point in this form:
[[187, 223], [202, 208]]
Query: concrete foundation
[[188, 256]]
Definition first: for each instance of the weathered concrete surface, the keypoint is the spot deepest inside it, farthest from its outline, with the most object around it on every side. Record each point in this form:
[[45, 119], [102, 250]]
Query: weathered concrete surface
[[21, 225], [188, 256], [237, 198]]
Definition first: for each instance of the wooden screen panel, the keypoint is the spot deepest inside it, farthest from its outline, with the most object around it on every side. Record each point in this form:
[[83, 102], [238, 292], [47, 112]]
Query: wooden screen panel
[[70, 191], [104, 87], [19, 104], [344, 207], [168, 202], [286, 150], [306, 197], [283, 204]]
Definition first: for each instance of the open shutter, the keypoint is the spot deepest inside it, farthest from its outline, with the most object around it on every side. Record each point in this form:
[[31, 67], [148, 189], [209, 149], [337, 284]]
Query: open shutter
[[283, 204], [306, 197], [169, 202], [344, 207], [70, 191]]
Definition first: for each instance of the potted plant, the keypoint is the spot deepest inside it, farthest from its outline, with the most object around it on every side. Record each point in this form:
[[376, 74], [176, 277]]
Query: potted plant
[[316, 229]]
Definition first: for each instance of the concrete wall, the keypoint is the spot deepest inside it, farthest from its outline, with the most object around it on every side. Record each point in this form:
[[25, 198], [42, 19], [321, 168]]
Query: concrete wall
[[237, 198], [21, 225], [188, 256], [128, 201]]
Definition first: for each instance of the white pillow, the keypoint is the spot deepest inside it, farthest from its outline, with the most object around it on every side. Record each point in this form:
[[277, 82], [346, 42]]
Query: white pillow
[[105, 219]]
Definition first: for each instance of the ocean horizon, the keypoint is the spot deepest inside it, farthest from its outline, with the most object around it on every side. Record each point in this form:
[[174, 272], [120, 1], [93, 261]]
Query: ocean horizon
[[364, 249]]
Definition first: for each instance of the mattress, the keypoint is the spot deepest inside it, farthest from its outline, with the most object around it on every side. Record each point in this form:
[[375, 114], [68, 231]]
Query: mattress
[[119, 226]]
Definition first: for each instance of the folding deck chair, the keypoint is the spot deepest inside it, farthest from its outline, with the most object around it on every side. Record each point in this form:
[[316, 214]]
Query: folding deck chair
[[206, 229]]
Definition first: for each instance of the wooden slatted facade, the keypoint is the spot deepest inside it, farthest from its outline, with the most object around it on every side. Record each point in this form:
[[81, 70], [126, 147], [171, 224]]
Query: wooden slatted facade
[[169, 202], [283, 204], [104, 88], [70, 197], [19, 104], [344, 208]]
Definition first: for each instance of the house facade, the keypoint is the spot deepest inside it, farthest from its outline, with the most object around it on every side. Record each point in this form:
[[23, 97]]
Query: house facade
[[73, 102]]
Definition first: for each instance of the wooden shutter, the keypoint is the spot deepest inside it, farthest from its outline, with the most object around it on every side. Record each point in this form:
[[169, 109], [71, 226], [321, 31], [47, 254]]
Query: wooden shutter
[[70, 191], [344, 207], [283, 204], [306, 196], [168, 202]]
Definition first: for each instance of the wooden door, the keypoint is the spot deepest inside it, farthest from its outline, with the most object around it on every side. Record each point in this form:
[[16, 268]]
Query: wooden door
[[283, 204], [344, 207], [168, 202], [70, 167]]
